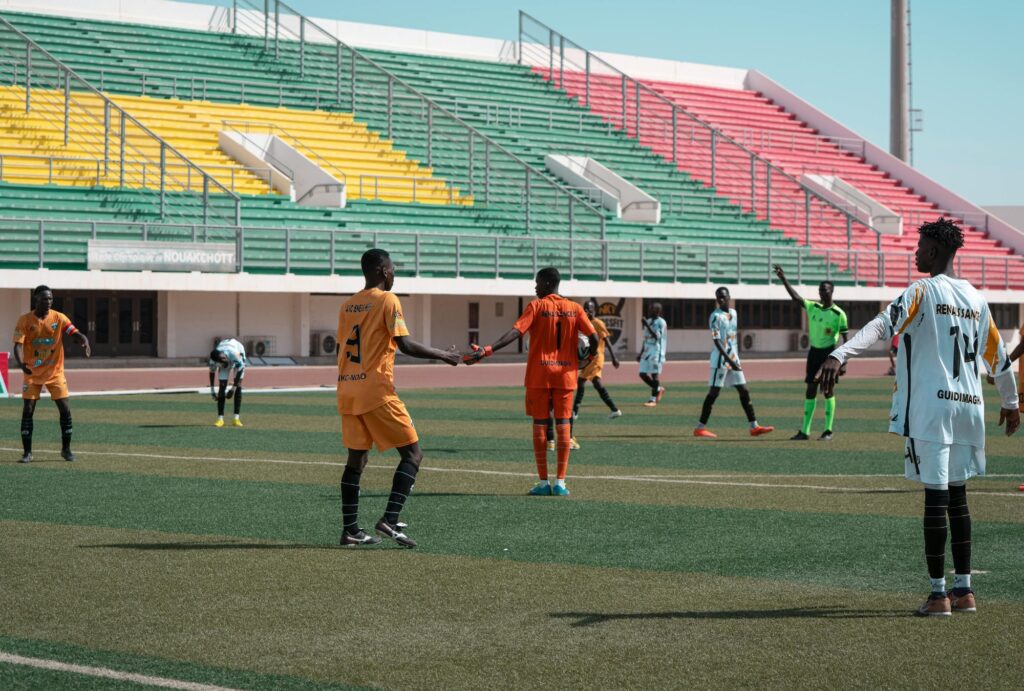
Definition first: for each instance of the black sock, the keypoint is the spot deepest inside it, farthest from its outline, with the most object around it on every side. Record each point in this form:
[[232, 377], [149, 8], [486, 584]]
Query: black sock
[[221, 393], [748, 407], [936, 503], [65, 429], [26, 432], [646, 379], [238, 400], [401, 488], [655, 385], [960, 529], [603, 393], [709, 402], [581, 389], [350, 499]]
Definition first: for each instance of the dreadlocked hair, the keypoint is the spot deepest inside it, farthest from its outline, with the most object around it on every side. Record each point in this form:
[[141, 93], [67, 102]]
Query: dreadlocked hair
[[944, 231]]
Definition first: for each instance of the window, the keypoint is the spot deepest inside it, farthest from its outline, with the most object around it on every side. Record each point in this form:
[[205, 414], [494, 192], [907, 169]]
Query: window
[[474, 322], [684, 314], [860, 313], [1005, 316], [769, 314]]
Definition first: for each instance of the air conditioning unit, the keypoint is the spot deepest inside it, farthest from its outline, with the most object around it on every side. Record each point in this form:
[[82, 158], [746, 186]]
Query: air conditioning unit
[[259, 346], [750, 341], [323, 343], [799, 340]]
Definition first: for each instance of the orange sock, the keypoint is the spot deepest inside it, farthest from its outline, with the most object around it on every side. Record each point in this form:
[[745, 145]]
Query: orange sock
[[562, 434], [540, 450]]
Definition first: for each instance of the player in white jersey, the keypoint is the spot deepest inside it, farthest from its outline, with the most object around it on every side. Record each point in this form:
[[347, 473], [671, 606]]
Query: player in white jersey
[[725, 367], [227, 356], [652, 353], [944, 327]]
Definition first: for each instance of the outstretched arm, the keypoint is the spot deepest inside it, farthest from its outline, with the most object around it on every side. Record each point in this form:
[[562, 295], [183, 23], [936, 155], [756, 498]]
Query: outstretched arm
[[785, 283], [874, 331], [418, 350], [477, 353], [1018, 351]]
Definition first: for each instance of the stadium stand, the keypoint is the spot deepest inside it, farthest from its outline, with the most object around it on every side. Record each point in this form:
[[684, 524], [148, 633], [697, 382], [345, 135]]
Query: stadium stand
[[502, 101]]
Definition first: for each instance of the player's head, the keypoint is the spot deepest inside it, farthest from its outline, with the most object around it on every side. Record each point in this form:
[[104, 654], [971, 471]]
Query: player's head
[[42, 298], [218, 356], [547, 281], [937, 244], [378, 269], [722, 298], [590, 307], [825, 289], [654, 310]]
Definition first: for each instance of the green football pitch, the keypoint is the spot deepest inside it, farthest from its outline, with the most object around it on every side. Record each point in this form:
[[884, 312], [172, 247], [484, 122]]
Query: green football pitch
[[180, 551]]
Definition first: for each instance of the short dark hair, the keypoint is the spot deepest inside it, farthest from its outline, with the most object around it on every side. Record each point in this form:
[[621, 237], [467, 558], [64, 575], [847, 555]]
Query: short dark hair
[[550, 275], [373, 260], [945, 231], [214, 355], [830, 284], [39, 289], [719, 289]]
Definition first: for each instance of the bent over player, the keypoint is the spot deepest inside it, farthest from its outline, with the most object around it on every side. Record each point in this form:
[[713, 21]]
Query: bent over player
[[944, 327], [39, 352], [554, 324], [725, 368], [826, 321], [228, 355], [370, 326]]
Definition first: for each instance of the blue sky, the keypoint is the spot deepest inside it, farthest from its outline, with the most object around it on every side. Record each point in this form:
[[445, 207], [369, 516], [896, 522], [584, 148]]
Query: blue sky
[[968, 61]]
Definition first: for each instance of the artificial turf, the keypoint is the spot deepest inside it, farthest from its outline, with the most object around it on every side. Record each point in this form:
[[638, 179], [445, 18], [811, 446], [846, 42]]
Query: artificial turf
[[175, 549]]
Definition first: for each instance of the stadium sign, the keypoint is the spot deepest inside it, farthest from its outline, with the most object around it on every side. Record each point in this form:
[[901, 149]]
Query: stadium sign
[[611, 314], [162, 256]]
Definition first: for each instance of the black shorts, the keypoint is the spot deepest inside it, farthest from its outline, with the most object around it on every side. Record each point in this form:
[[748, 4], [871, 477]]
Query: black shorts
[[815, 359]]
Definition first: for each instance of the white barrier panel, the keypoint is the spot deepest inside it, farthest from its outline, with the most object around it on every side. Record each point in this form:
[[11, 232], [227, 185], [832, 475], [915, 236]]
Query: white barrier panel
[[604, 186], [865, 209]]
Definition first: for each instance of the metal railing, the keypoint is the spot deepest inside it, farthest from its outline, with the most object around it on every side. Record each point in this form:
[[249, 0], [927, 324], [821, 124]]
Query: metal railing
[[692, 144], [336, 251], [462, 155], [92, 123]]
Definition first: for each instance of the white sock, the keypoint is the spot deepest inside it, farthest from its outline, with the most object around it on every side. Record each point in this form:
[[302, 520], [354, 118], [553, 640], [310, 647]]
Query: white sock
[[221, 418], [236, 416], [753, 424], [543, 483], [559, 483], [938, 585], [962, 580], [700, 425]]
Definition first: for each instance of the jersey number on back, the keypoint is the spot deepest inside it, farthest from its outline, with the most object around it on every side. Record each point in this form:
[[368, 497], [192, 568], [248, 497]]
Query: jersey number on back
[[354, 341], [967, 355]]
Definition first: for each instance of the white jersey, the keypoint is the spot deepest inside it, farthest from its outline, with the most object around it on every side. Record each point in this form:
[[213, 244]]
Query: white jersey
[[723, 328], [655, 345], [944, 328], [235, 353]]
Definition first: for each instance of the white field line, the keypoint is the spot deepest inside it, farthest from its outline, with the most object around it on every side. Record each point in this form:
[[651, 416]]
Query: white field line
[[689, 480], [107, 673], [190, 389]]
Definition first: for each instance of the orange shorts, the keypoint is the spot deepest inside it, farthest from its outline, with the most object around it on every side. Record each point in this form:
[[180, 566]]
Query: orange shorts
[[388, 426], [58, 388], [541, 402]]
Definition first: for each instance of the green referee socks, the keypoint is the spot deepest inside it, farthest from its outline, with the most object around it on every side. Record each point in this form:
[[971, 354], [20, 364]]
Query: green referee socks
[[809, 405], [830, 412]]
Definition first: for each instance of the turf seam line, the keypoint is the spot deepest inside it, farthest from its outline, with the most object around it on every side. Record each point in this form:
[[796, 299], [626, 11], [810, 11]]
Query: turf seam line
[[509, 473], [106, 673]]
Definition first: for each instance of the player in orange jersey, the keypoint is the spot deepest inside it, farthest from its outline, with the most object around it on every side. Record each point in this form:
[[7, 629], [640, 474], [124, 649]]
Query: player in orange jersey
[[370, 327], [554, 324], [39, 352]]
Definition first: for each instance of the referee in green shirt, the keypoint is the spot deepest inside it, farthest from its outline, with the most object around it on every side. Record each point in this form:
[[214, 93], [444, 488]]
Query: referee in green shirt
[[825, 323]]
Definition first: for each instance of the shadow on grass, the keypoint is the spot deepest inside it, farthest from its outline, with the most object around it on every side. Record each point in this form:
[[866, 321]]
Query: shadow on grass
[[593, 618], [189, 546], [414, 496], [170, 426]]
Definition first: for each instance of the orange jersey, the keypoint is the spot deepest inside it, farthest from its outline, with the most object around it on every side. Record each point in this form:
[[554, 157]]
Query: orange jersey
[[43, 345], [368, 324], [554, 325]]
